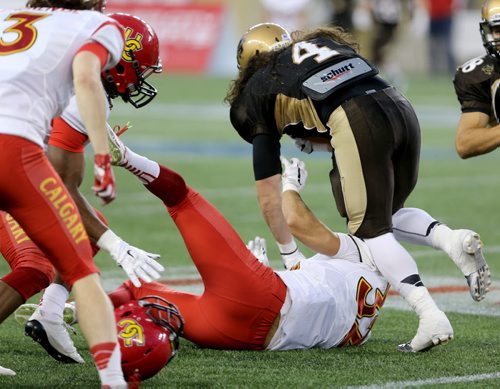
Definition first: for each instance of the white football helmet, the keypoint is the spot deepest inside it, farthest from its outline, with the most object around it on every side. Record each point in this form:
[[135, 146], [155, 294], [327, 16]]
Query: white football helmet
[[490, 17], [261, 38]]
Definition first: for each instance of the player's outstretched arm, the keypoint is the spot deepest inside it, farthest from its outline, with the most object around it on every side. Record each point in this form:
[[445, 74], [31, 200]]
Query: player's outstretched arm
[[305, 226]]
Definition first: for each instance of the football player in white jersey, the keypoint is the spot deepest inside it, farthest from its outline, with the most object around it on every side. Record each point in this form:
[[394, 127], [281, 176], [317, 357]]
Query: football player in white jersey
[[245, 304], [66, 144], [49, 54]]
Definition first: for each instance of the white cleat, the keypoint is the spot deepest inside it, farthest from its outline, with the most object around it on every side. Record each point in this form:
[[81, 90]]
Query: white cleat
[[6, 371], [467, 253], [434, 329], [25, 311], [54, 337], [118, 150]]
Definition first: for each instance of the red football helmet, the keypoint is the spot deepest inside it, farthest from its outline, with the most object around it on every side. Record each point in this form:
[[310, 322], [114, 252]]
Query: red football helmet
[[140, 58], [148, 334]]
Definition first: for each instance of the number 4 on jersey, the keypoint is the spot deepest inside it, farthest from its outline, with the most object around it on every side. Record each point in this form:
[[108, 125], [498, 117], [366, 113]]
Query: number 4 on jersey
[[303, 50]]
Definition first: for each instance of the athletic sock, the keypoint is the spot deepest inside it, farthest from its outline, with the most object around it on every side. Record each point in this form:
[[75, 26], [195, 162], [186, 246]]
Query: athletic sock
[[52, 302], [107, 358], [441, 238], [394, 263], [143, 168]]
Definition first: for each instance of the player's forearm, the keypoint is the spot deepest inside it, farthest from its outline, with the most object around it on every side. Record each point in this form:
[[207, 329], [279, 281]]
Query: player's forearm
[[477, 141], [93, 225], [91, 100], [306, 227], [269, 197]]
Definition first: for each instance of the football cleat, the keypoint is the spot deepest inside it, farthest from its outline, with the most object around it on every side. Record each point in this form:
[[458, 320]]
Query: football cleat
[[54, 337], [6, 371], [466, 251], [118, 150], [434, 329]]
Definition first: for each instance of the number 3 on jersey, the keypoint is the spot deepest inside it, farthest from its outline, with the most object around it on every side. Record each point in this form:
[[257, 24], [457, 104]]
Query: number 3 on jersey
[[366, 311], [21, 35], [304, 50]]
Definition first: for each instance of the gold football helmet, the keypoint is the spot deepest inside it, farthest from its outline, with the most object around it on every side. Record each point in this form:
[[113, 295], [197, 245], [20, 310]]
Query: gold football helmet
[[490, 17], [261, 38]]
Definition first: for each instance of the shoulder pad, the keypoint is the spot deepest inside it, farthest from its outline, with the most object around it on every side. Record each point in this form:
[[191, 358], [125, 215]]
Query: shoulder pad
[[328, 80]]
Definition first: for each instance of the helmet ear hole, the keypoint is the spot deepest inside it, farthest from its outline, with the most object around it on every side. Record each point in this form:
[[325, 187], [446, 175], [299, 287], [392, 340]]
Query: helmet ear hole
[[120, 69]]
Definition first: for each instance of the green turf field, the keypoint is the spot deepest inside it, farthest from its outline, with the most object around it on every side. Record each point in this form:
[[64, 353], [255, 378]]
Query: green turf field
[[187, 129]]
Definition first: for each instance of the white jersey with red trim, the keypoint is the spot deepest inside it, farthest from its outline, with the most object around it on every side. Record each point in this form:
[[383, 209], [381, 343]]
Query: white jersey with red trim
[[71, 115], [329, 303], [37, 47]]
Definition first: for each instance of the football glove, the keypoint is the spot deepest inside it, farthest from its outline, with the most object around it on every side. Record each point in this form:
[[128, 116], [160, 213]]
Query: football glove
[[258, 248], [290, 254], [294, 174], [104, 180], [137, 264]]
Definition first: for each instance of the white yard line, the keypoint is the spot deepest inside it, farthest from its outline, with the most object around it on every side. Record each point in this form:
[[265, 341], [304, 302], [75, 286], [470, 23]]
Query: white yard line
[[431, 381]]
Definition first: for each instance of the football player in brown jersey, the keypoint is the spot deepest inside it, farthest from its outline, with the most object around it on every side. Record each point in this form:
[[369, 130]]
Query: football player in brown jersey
[[315, 86], [476, 85]]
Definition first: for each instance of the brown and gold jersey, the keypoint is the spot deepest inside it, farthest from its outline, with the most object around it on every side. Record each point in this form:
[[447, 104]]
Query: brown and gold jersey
[[476, 85], [297, 93]]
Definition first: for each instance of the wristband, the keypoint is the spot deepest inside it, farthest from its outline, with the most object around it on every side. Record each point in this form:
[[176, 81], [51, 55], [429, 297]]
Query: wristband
[[288, 248]]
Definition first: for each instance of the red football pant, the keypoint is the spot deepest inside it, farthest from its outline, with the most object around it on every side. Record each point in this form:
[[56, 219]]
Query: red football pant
[[241, 297], [33, 193]]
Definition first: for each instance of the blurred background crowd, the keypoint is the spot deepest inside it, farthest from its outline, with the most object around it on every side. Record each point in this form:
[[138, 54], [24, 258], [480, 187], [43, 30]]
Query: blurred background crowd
[[401, 37]]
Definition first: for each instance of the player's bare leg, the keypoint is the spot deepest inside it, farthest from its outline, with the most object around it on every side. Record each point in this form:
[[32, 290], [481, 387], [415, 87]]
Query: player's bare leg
[[97, 322], [11, 299]]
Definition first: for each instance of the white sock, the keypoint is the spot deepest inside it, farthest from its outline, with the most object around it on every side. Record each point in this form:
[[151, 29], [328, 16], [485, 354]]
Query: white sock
[[110, 372], [413, 225], [52, 302], [441, 238], [421, 301], [347, 249], [143, 168], [394, 263]]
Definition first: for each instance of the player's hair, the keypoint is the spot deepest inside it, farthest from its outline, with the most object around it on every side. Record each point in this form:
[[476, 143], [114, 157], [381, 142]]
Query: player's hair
[[67, 4], [263, 59]]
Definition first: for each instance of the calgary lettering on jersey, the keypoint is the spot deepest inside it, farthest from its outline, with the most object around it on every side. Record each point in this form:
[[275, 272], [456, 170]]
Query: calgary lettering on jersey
[[16, 230], [67, 210]]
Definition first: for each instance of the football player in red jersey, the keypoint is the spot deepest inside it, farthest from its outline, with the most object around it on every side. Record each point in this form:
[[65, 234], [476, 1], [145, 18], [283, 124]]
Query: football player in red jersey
[[139, 59], [476, 85], [48, 55], [316, 87]]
